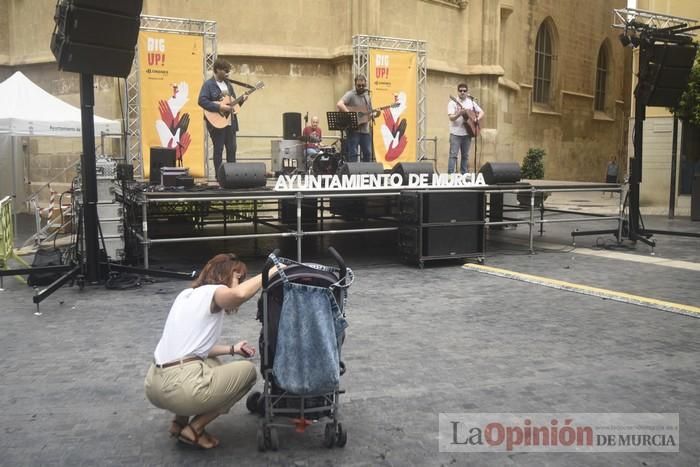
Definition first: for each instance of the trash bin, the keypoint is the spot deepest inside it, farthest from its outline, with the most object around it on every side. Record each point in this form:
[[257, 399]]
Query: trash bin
[[695, 199]]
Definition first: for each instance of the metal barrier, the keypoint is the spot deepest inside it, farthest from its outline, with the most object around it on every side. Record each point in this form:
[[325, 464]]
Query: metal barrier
[[297, 232], [7, 238]]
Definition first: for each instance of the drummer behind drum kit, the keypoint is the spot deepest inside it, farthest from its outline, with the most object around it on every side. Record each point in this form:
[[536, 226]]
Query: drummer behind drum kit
[[288, 158]]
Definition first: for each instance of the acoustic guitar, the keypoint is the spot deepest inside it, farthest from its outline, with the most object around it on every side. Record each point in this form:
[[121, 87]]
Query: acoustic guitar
[[222, 119], [471, 123], [363, 115]]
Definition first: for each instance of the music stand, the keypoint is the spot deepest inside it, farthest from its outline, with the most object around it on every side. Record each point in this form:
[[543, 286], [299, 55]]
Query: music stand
[[342, 121]]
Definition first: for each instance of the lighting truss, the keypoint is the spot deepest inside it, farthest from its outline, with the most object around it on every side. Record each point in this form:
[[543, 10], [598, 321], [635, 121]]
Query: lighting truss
[[360, 65], [207, 29], [631, 19]]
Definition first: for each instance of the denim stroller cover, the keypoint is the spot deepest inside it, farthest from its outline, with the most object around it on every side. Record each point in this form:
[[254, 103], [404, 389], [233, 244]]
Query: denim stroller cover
[[307, 357]]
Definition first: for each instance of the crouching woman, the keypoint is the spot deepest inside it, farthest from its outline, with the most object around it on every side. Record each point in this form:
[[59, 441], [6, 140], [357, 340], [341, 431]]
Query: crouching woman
[[186, 377]]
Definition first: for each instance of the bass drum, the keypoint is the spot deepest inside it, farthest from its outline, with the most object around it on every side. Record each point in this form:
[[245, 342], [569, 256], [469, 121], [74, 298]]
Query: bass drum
[[325, 164]]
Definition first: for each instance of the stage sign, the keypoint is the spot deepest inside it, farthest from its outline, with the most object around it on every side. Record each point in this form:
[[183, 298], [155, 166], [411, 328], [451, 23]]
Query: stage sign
[[392, 79], [170, 75]]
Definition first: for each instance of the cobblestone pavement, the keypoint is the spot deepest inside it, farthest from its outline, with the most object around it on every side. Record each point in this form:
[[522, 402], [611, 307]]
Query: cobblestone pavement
[[420, 342]]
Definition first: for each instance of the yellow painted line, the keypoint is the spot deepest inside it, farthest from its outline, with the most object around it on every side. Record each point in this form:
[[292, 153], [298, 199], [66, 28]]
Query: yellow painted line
[[680, 308]]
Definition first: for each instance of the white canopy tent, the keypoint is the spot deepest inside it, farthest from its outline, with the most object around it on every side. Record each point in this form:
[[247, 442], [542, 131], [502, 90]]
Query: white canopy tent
[[28, 110]]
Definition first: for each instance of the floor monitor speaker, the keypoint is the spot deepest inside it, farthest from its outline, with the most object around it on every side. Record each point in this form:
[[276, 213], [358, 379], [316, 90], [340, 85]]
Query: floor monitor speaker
[[405, 169], [234, 175], [160, 157], [500, 172], [291, 125], [361, 168]]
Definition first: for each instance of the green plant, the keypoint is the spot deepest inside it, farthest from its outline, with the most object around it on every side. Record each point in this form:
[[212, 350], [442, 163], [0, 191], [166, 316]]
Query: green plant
[[533, 164]]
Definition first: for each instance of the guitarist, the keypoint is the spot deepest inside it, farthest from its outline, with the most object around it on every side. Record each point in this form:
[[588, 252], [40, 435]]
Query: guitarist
[[358, 98], [460, 139], [210, 98]]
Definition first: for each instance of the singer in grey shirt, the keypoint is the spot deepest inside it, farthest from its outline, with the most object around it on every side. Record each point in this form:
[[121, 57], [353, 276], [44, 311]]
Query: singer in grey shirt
[[358, 100]]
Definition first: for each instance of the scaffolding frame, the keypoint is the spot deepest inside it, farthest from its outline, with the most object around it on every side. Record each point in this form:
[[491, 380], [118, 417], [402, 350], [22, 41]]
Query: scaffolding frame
[[361, 45], [642, 20], [132, 91]]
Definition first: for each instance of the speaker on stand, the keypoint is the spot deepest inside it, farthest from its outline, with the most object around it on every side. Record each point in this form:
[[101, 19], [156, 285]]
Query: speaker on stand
[[96, 37], [291, 125]]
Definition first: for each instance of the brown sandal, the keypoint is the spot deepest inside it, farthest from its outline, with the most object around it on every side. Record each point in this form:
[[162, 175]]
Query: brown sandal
[[176, 427], [196, 441]]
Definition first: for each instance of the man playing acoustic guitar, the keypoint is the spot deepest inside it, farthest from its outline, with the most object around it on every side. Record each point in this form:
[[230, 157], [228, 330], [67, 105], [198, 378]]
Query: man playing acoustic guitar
[[464, 116], [211, 98], [358, 100]]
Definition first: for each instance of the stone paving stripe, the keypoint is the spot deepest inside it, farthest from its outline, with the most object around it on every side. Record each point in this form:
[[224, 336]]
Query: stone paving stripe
[[679, 308], [655, 260]]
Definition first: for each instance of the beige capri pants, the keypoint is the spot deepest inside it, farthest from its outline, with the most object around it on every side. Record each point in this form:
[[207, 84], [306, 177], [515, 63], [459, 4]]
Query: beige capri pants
[[200, 386]]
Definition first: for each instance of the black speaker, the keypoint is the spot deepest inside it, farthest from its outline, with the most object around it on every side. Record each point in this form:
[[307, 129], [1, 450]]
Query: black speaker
[[288, 211], [291, 125], [96, 36], [361, 168], [405, 169], [443, 240], [664, 78], [160, 157], [233, 175], [417, 207], [500, 172]]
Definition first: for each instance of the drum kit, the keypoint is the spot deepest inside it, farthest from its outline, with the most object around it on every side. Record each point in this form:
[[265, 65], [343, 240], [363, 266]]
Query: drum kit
[[326, 161]]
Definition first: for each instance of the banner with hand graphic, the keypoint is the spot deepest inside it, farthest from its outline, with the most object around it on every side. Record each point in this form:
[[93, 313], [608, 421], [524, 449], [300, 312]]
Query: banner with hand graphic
[[170, 74], [393, 79]]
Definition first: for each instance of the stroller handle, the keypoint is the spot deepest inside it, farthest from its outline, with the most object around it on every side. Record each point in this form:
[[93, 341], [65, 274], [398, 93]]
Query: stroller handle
[[266, 268], [338, 259]]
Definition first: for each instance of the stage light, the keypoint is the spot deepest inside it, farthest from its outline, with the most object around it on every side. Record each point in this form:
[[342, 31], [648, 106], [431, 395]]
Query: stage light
[[635, 40], [625, 40]]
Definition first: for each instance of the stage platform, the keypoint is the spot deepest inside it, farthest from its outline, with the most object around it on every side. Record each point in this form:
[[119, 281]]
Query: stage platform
[[158, 215]]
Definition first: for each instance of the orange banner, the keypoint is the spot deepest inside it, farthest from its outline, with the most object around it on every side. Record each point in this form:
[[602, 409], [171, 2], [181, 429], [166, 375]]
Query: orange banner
[[393, 81], [170, 75]]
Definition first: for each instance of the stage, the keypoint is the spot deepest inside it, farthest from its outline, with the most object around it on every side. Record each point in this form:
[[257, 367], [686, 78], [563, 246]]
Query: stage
[[156, 215]]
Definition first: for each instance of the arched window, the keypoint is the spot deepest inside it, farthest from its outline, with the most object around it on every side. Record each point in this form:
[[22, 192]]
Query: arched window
[[601, 78], [543, 65]]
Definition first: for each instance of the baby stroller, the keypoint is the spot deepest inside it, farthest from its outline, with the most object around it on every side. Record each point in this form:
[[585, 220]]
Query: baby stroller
[[303, 328]]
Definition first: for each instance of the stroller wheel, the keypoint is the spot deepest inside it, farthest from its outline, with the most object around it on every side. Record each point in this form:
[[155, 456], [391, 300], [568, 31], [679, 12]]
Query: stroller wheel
[[329, 436], [262, 446], [252, 402], [341, 436], [274, 439]]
